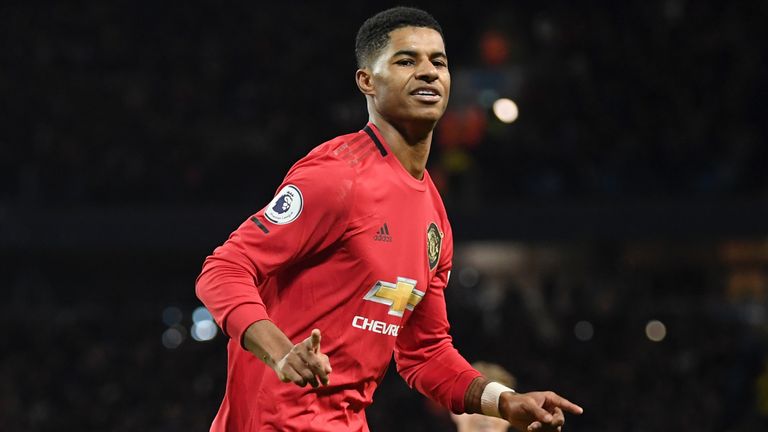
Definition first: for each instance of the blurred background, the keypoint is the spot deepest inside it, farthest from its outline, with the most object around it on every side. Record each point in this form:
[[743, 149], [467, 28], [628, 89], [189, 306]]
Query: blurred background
[[603, 165]]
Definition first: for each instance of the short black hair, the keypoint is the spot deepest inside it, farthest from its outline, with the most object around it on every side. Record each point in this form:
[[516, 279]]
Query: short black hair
[[374, 33]]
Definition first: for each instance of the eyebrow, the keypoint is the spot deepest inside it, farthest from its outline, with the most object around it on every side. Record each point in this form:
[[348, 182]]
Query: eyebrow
[[415, 54]]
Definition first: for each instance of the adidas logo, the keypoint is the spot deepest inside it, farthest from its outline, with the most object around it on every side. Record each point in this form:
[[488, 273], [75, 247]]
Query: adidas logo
[[383, 234]]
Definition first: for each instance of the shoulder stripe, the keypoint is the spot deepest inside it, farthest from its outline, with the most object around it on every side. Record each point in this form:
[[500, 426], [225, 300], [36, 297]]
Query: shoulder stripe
[[355, 151], [364, 155], [347, 149], [375, 139], [259, 224]]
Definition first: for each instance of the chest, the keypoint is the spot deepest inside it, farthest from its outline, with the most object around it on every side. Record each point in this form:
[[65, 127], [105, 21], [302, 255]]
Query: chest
[[396, 238]]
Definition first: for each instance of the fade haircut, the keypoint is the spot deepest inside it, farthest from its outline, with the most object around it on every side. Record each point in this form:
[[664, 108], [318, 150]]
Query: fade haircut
[[373, 35]]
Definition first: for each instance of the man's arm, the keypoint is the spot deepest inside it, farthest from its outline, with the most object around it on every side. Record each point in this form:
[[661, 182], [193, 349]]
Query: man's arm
[[227, 286], [308, 214], [424, 351], [427, 360]]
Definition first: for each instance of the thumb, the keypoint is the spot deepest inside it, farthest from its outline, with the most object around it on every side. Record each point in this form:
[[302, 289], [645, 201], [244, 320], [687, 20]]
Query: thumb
[[315, 340]]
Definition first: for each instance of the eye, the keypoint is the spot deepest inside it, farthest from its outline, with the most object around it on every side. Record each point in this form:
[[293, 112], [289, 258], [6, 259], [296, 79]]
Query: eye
[[405, 62], [439, 63]]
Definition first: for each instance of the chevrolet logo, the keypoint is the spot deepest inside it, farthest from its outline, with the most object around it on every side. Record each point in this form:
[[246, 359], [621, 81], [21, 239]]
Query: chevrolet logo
[[399, 297]]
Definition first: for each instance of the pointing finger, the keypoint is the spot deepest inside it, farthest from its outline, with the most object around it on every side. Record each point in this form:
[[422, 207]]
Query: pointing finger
[[556, 400], [315, 340]]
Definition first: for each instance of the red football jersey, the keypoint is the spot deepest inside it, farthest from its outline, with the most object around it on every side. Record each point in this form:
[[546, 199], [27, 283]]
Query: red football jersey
[[351, 244]]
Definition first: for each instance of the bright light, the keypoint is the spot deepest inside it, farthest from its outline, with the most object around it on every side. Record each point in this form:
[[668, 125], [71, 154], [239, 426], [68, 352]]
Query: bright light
[[655, 330], [204, 330], [172, 338], [584, 330], [201, 314], [505, 110]]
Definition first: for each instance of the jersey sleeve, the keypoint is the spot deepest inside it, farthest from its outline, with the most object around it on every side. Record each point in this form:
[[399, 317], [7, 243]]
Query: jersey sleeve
[[308, 214], [424, 351]]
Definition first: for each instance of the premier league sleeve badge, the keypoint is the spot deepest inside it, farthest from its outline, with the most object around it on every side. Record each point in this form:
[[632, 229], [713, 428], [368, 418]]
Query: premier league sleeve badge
[[286, 206]]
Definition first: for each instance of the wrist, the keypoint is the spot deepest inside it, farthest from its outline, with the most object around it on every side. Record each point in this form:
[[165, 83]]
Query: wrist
[[489, 399], [267, 342], [473, 394]]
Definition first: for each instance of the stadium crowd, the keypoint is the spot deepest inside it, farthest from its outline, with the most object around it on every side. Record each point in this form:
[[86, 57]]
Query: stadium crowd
[[113, 104]]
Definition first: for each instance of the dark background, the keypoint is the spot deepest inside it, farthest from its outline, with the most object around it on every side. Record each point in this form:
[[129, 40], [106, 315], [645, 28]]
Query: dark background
[[135, 136]]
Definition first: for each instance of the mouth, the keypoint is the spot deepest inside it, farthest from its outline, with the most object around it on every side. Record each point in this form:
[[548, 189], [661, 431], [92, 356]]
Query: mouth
[[426, 94]]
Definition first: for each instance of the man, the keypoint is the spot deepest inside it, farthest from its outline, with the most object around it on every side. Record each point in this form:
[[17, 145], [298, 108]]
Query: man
[[356, 244]]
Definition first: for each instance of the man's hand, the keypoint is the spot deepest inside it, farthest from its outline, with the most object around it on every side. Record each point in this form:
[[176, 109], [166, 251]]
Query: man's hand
[[301, 364], [304, 363], [536, 411]]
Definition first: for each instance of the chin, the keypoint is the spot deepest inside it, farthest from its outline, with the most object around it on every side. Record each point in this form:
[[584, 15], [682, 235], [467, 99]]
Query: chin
[[430, 115], [422, 115]]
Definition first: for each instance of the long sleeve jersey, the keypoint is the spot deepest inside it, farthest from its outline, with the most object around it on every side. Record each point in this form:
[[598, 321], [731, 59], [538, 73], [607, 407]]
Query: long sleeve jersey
[[354, 245]]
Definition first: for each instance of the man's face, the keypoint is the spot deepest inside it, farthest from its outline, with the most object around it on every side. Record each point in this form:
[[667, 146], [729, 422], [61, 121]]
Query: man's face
[[410, 76]]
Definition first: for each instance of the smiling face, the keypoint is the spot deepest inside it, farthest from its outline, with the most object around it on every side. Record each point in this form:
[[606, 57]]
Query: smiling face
[[409, 79]]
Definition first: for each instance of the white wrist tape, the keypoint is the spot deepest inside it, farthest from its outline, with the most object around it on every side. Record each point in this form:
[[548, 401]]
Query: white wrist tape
[[489, 401]]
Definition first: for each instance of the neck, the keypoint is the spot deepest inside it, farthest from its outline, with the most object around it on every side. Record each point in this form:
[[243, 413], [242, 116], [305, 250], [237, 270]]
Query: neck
[[410, 143]]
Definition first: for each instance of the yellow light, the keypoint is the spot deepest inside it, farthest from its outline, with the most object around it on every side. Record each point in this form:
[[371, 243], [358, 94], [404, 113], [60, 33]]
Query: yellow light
[[505, 110], [656, 330]]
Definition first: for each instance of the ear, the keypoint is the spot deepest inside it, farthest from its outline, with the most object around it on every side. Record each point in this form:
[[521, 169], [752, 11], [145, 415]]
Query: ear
[[364, 80]]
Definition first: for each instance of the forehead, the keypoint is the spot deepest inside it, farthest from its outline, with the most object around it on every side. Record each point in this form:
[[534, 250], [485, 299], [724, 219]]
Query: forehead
[[418, 39]]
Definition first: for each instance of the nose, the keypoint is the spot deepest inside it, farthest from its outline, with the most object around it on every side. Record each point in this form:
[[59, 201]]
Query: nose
[[427, 72]]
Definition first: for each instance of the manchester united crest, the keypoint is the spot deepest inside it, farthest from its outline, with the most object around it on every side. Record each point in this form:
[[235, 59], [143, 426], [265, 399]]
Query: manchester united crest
[[434, 242]]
